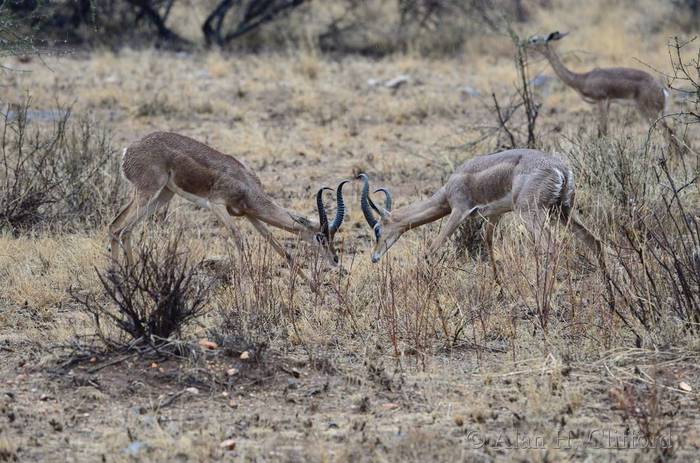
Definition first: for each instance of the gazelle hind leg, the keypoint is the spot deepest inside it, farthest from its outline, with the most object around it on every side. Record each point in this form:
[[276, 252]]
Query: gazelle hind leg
[[116, 226], [653, 116], [142, 206], [489, 229], [603, 112], [537, 224], [589, 239]]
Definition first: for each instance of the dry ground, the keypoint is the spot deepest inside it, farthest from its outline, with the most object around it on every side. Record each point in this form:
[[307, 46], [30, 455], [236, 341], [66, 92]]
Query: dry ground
[[347, 375]]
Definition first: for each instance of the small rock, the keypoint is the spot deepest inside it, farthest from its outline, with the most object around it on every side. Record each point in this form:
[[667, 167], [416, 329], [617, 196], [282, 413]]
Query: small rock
[[154, 365], [192, 390], [202, 74], [245, 355], [390, 406], [134, 448], [470, 91], [228, 444], [683, 386], [397, 81], [232, 371], [207, 344]]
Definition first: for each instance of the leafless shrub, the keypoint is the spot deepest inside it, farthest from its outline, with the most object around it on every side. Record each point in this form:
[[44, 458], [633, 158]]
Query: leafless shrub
[[248, 16], [643, 406], [55, 171], [13, 40], [512, 126], [149, 302], [430, 27], [685, 79], [658, 254], [654, 237]]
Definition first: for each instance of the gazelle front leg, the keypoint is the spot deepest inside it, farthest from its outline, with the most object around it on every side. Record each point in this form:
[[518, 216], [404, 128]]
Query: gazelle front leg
[[220, 211], [457, 216], [603, 110], [263, 230]]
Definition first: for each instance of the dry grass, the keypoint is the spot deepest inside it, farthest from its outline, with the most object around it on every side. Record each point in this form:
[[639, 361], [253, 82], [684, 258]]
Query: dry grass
[[396, 361]]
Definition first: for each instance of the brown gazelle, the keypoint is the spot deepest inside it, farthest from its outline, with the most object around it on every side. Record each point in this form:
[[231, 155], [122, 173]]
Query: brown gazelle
[[528, 182], [601, 86], [162, 164]]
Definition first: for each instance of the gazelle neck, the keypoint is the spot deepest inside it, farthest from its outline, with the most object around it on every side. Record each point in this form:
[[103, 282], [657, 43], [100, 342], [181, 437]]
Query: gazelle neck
[[277, 216], [567, 76], [421, 212]]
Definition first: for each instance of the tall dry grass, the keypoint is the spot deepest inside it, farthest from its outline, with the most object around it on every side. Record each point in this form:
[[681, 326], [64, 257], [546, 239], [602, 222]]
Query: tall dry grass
[[300, 118]]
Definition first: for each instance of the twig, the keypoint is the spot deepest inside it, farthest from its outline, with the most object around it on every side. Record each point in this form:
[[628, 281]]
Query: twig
[[169, 400], [113, 362]]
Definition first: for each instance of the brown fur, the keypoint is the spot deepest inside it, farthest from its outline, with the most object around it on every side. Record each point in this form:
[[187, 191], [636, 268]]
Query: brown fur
[[603, 85], [529, 182], [163, 164]]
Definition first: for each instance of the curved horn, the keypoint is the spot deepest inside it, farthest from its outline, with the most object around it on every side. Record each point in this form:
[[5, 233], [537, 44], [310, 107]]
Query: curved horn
[[387, 198], [340, 209], [366, 203], [322, 217]]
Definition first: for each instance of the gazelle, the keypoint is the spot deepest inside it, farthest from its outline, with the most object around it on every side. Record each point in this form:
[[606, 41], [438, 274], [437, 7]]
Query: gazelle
[[163, 164], [601, 86], [525, 181]]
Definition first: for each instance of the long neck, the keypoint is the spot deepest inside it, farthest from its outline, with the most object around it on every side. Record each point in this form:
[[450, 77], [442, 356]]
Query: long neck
[[421, 212], [570, 78], [275, 215]]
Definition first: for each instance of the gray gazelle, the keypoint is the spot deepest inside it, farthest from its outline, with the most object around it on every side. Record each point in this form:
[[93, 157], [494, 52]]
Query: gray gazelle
[[601, 86], [529, 182], [163, 164]]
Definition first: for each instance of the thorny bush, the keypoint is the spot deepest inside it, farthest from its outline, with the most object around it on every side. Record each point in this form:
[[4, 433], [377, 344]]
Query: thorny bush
[[56, 171], [149, 302]]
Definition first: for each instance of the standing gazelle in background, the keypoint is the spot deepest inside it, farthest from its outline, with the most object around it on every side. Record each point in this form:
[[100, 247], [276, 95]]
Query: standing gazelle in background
[[163, 164], [601, 86], [529, 182]]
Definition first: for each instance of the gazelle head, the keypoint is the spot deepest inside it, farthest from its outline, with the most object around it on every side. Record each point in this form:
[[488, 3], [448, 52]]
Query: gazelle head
[[541, 42], [323, 236], [385, 230]]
